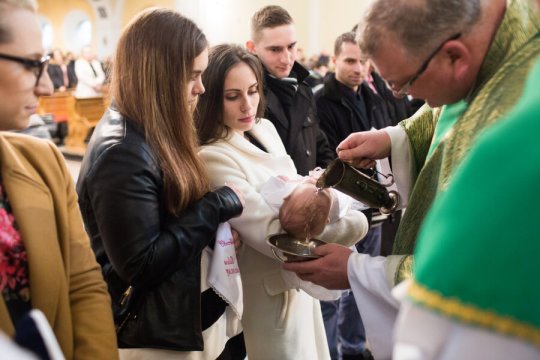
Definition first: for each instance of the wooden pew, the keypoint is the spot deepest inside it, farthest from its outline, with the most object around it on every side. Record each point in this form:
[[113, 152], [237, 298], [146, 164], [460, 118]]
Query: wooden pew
[[54, 111], [57, 104], [83, 116]]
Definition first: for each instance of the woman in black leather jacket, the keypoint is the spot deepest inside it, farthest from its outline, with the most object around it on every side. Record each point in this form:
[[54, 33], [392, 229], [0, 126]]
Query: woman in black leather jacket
[[144, 194]]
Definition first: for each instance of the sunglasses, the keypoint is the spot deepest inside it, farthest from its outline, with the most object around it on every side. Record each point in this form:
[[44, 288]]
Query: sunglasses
[[36, 66], [403, 90]]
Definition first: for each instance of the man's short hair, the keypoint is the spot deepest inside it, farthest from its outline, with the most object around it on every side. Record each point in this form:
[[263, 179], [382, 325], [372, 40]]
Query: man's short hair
[[348, 37], [418, 25], [268, 17]]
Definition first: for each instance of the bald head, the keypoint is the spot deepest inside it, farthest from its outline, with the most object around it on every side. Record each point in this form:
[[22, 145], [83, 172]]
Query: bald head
[[87, 53]]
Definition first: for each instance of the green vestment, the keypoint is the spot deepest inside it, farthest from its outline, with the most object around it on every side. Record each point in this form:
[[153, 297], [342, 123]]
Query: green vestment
[[498, 87], [478, 257]]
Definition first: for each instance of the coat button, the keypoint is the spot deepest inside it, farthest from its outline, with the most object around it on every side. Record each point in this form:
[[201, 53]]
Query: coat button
[[308, 152]]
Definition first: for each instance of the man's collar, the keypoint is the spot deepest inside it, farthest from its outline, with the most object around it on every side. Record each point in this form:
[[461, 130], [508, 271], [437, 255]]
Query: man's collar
[[301, 72], [298, 72], [331, 88], [335, 89]]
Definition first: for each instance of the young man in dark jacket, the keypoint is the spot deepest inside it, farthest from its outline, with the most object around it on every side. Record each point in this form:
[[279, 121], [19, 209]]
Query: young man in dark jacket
[[289, 100], [340, 105], [355, 99], [384, 109]]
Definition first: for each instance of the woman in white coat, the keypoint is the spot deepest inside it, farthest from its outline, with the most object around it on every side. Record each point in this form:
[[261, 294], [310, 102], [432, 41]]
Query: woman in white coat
[[280, 322]]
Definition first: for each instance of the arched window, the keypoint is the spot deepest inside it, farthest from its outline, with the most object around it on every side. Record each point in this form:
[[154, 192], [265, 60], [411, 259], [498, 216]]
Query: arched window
[[78, 30], [48, 33], [83, 32]]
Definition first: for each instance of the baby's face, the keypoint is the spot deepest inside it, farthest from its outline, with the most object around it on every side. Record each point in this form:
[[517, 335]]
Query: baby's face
[[305, 211]]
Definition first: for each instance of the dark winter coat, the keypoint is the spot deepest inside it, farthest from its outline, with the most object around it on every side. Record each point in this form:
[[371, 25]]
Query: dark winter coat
[[298, 124]]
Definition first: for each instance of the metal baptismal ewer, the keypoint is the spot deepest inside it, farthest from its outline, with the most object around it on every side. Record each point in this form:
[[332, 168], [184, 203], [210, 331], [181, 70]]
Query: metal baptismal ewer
[[345, 178]]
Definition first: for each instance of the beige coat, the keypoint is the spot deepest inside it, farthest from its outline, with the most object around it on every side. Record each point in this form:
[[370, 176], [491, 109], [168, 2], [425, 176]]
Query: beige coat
[[65, 280]]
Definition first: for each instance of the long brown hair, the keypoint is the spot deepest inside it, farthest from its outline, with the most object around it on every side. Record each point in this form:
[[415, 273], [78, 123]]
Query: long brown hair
[[209, 113], [152, 67]]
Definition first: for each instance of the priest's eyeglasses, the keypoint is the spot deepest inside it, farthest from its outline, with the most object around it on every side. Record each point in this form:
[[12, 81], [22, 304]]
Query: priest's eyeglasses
[[403, 90], [36, 66]]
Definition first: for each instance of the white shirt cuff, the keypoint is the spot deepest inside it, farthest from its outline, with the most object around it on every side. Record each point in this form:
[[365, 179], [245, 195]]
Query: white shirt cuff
[[402, 162]]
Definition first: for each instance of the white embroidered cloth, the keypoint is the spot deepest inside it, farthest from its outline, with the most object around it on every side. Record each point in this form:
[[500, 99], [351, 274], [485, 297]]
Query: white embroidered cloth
[[223, 272]]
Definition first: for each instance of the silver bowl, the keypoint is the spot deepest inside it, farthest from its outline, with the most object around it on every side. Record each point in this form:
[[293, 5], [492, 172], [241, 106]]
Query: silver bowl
[[287, 248]]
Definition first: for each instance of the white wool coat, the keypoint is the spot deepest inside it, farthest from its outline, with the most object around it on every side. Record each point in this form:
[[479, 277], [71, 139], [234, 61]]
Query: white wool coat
[[279, 321]]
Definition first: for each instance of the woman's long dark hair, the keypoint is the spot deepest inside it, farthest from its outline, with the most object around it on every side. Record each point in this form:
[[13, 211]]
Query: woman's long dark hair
[[151, 70], [209, 113]]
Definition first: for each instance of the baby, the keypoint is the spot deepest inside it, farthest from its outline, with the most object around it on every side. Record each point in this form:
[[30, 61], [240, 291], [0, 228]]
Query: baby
[[305, 211]]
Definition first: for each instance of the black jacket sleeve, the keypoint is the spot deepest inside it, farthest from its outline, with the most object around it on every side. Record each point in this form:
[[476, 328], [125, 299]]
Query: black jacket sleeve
[[328, 123], [325, 154], [144, 243]]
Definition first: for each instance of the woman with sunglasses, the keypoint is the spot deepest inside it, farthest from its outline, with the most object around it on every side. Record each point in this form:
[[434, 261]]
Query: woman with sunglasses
[[46, 262]]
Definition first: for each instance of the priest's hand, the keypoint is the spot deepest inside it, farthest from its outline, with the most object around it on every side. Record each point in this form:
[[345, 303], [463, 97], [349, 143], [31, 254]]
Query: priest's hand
[[329, 271], [361, 149]]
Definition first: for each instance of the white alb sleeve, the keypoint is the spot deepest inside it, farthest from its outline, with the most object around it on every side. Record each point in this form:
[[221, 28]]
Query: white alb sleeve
[[377, 307], [423, 334], [402, 163]]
